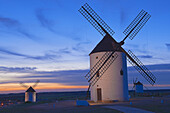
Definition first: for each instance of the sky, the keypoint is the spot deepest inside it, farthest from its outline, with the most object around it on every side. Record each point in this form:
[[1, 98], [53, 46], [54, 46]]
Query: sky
[[50, 40]]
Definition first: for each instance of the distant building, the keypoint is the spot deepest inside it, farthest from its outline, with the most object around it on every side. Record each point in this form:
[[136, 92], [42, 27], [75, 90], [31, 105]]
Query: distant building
[[138, 87], [30, 95]]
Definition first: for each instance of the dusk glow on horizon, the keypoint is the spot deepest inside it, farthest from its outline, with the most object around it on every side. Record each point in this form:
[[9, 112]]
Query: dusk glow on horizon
[[50, 41]]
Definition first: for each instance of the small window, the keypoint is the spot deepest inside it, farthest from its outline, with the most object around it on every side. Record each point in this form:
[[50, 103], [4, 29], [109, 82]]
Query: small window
[[121, 72], [97, 57], [98, 74]]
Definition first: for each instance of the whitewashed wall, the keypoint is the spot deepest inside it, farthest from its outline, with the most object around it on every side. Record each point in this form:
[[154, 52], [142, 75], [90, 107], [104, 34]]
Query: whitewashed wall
[[30, 96], [114, 86], [139, 88]]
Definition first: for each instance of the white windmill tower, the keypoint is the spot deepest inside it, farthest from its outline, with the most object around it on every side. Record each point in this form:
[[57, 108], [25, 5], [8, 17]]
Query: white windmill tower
[[137, 86], [108, 68], [30, 93]]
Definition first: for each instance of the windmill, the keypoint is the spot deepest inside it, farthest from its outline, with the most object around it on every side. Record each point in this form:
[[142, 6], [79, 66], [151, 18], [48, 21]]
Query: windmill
[[138, 86], [108, 68], [30, 93]]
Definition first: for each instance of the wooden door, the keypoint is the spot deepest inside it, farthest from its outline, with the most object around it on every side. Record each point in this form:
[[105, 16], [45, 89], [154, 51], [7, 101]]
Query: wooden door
[[99, 94]]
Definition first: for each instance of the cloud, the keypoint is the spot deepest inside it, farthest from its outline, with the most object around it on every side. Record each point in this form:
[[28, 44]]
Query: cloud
[[168, 46], [71, 77], [122, 15], [8, 22], [145, 56], [46, 56], [17, 69], [160, 71], [65, 51], [12, 24], [50, 25], [46, 23], [80, 46], [137, 48], [60, 52], [26, 34], [76, 77]]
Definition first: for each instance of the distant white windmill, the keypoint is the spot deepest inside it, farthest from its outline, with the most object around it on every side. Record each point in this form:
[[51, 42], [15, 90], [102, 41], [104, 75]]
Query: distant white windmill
[[138, 86], [30, 93], [108, 68]]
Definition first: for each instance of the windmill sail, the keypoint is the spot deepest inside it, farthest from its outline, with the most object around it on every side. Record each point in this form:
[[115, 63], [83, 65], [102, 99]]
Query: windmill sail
[[97, 66], [100, 72], [95, 20], [36, 83], [100, 67], [23, 85], [107, 59], [140, 67], [136, 25], [103, 68], [104, 30]]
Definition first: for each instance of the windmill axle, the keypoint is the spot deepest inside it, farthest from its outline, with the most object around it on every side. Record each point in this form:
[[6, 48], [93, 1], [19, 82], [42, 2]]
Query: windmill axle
[[121, 43]]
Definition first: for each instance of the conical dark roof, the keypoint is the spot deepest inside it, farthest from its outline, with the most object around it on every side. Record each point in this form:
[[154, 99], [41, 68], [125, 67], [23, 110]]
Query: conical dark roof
[[106, 44], [30, 89], [138, 83]]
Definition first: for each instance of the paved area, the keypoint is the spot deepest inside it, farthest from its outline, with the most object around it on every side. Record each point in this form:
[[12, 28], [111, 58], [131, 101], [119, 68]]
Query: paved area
[[125, 109]]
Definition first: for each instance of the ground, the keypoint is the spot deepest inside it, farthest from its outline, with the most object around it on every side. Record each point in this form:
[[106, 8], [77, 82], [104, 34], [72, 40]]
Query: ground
[[47, 104], [156, 104], [59, 107]]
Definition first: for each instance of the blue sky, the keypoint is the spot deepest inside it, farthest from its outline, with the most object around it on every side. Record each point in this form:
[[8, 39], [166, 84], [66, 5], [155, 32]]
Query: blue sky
[[45, 37]]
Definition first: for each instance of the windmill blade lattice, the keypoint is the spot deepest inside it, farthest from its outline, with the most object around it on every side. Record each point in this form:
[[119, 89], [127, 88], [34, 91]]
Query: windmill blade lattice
[[23, 85], [103, 60], [107, 59], [140, 67], [97, 66], [145, 87], [36, 83], [136, 25], [134, 81], [95, 20], [107, 65], [103, 69]]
